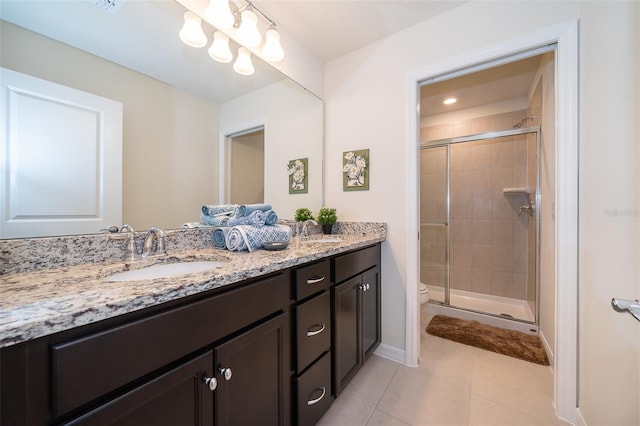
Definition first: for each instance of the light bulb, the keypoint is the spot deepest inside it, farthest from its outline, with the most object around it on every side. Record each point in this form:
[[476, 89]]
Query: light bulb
[[191, 34], [243, 64], [248, 33], [219, 49], [219, 14], [272, 50]]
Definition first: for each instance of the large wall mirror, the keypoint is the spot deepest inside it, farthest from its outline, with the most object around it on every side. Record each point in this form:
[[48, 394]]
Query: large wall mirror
[[178, 103]]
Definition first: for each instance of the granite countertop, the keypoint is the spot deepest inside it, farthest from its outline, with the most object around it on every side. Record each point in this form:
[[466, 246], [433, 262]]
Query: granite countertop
[[38, 303]]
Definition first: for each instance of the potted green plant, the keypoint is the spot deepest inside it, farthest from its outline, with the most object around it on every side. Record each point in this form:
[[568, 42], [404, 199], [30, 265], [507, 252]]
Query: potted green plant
[[327, 217], [303, 214]]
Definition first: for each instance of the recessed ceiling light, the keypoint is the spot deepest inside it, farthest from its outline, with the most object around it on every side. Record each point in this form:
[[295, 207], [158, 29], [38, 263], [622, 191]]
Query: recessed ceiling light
[[450, 101]]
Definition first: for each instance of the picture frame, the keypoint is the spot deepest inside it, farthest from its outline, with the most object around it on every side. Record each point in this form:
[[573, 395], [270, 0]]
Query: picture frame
[[298, 171], [355, 170]]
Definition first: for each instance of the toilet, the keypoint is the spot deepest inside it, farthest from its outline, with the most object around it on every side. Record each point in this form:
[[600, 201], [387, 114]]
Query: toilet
[[424, 294]]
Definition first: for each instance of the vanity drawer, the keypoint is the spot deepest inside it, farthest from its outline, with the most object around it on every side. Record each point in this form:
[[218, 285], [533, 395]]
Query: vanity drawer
[[351, 264], [89, 367], [313, 329], [314, 392], [312, 279]]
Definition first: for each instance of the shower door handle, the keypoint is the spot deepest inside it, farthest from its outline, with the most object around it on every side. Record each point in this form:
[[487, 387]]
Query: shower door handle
[[631, 306]]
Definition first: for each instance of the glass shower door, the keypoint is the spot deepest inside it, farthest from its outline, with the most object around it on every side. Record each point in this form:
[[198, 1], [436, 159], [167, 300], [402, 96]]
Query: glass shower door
[[434, 227]]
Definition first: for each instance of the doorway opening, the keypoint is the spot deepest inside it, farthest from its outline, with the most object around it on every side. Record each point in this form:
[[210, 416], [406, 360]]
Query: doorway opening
[[480, 192], [245, 167]]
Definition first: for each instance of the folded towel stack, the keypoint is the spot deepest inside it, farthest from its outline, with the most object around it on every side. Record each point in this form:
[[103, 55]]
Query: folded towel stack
[[243, 214], [244, 226]]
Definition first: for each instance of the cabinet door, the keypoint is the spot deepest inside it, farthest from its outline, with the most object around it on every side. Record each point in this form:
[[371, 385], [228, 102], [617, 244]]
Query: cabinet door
[[347, 329], [253, 388], [370, 310], [178, 397]]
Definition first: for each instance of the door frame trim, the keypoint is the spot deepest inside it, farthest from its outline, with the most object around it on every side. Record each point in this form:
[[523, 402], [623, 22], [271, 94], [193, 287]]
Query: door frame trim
[[566, 227]]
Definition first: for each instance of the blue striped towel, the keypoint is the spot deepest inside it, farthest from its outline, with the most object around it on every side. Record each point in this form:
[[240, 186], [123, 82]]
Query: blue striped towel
[[247, 209], [255, 218], [214, 210], [220, 237], [270, 217], [247, 237], [220, 220]]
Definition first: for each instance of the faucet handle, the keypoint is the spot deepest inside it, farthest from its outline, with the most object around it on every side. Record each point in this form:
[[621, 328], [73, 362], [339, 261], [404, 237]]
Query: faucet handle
[[127, 232]]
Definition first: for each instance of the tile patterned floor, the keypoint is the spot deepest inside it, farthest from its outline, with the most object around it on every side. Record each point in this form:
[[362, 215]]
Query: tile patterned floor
[[455, 385]]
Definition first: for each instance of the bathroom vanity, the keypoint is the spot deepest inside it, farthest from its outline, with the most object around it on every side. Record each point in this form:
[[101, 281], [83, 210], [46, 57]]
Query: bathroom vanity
[[267, 338]]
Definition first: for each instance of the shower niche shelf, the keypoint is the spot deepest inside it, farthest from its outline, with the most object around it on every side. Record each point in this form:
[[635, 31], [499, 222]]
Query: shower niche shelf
[[523, 190]]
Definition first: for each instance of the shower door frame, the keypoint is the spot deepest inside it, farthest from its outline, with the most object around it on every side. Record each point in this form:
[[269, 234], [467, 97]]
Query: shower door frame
[[439, 143]]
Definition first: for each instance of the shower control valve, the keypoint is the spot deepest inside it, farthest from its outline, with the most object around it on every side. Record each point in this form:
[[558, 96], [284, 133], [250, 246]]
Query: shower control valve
[[528, 207]]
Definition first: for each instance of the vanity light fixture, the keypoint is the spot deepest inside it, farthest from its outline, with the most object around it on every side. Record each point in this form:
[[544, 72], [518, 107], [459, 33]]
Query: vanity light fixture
[[225, 15], [219, 14], [248, 33], [191, 33], [243, 64], [450, 101], [219, 49], [272, 50]]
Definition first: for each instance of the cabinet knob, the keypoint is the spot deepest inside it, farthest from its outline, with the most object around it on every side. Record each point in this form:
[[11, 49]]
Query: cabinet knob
[[315, 401], [366, 287], [211, 382], [314, 280], [311, 333], [225, 372]]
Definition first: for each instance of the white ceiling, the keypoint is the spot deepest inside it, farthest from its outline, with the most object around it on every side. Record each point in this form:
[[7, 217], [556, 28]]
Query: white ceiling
[[508, 82], [142, 35], [331, 28]]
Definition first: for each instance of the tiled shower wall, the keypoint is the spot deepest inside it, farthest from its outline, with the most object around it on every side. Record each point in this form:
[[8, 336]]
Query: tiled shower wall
[[488, 238]]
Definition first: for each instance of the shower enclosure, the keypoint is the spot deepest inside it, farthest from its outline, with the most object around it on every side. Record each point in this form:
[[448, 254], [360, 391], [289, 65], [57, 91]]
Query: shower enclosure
[[479, 203]]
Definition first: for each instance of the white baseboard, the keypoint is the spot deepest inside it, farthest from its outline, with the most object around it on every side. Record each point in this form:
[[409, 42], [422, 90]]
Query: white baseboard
[[390, 352], [547, 348]]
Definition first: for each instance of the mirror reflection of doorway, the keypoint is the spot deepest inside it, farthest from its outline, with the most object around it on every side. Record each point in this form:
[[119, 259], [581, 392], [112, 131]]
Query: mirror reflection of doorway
[[246, 161]]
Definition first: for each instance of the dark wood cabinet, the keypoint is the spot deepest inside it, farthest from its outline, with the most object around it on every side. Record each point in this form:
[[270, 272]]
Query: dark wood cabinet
[[150, 362], [274, 350], [178, 397], [371, 307], [312, 359], [356, 313], [252, 376]]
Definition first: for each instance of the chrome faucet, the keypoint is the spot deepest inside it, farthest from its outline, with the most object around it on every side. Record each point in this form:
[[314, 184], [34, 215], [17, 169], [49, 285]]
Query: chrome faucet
[[305, 231], [154, 235], [127, 232]]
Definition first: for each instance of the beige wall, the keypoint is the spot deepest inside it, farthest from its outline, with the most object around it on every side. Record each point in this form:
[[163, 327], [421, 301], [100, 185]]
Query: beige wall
[[293, 128], [169, 136], [366, 107]]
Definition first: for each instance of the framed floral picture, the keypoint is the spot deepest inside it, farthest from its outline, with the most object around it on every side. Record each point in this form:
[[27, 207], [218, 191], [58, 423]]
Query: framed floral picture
[[298, 176], [355, 170]]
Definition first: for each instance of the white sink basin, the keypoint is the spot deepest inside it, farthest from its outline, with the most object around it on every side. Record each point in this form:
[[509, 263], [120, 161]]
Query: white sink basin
[[164, 270]]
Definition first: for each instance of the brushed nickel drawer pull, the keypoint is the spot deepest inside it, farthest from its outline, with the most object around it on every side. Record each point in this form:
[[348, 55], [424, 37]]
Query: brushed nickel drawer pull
[[320, 330], [315, 401], [315, 280]]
